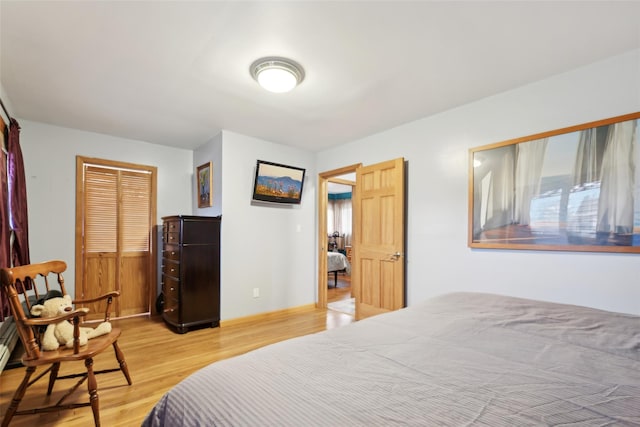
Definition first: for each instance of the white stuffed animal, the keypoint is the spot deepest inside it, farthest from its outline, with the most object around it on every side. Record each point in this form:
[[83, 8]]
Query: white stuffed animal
[[62, 333]]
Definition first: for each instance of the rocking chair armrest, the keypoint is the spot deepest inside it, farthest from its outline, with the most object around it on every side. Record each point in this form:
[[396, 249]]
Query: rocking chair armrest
[[35, 321], [108, 295]]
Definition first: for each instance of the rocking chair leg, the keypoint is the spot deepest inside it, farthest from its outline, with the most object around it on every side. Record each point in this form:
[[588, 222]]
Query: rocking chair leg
[[17, 397], [53, 375], [92, 384], [121, 361]]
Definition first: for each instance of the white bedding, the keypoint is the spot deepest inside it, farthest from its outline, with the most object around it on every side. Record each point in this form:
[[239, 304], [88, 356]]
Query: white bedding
[[337, 261], [461, 359]]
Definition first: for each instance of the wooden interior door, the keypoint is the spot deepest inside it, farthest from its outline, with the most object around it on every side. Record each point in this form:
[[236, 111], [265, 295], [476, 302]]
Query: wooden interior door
[[378, 269]]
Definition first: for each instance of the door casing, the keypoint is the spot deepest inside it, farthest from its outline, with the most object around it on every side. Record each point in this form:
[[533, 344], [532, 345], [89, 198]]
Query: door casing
[[324, 178], [111, 275]]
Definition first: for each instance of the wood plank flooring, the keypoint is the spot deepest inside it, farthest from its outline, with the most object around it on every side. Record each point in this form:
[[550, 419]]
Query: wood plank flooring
[[340, 292], [158, 358]]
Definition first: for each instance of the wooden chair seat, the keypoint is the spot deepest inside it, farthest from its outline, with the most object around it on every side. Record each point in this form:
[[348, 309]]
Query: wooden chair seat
[[94, 347], [24, 286]]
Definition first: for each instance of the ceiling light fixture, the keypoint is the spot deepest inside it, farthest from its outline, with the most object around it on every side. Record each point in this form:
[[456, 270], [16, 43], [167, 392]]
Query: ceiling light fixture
[[276, 74]]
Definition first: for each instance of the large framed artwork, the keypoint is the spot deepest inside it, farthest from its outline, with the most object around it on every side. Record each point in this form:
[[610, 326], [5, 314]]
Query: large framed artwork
[[205, 185], [571, 189]]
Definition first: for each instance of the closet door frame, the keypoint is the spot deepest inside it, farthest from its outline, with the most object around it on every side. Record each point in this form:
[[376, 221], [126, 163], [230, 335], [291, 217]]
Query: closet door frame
[[132, 273]]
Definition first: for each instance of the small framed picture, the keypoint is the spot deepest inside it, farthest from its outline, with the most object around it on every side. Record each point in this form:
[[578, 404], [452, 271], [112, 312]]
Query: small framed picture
[[204, 183]]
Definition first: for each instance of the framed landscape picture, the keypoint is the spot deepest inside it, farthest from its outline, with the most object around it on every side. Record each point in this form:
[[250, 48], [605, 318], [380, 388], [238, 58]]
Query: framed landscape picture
[[575, 189], [278, 183], [204, 182]]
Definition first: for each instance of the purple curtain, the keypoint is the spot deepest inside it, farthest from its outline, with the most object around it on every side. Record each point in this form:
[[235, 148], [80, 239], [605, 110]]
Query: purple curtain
[[13, 207], [18, 194], [5, 229]]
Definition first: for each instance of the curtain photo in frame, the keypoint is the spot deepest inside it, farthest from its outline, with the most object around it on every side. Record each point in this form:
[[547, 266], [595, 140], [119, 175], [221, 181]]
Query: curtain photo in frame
[[572, 189], [204, 183]]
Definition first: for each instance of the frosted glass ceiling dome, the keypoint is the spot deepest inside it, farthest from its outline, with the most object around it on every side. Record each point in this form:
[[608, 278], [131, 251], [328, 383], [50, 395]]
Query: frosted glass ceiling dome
[[277, 74]]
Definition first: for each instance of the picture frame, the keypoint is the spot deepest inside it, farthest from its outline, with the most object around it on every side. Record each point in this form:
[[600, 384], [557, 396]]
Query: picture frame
[[278, 183], [204, 185], [570, 189]]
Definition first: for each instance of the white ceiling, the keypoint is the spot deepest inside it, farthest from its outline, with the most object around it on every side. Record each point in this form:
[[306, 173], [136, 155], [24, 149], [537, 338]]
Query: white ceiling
[[177, 72]]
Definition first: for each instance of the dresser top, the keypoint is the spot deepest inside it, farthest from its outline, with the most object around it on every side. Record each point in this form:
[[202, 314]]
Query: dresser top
[[191, 217]]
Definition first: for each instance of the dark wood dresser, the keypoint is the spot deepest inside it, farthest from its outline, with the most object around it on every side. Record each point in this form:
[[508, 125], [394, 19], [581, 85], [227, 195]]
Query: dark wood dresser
[[191, 271]]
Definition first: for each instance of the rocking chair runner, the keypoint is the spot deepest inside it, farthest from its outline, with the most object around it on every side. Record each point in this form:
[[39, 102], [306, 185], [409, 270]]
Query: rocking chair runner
[[16, 280]]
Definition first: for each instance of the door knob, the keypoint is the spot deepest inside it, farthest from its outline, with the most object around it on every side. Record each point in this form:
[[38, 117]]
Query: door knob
[[396, 256]]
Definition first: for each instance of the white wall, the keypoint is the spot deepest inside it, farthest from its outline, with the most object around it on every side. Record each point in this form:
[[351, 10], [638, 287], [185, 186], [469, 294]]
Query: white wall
[[270, 247], [265, 246], [50, 168], [436, 148], [273, 247], [7, 104], [209, 152]]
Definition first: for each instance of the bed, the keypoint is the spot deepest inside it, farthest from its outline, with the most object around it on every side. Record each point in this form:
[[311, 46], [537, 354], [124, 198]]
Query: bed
[[459, 359], [337, 262]]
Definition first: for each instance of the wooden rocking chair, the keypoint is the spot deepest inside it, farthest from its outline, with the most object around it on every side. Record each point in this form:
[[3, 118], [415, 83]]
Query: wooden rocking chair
[[36, 277]]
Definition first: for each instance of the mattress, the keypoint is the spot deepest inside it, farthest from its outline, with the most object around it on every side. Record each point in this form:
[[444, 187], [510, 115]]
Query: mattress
[[337, 261], [459, 359]]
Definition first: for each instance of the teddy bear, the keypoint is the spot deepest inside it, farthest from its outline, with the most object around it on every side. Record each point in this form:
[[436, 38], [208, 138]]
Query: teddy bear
[[61, 333]]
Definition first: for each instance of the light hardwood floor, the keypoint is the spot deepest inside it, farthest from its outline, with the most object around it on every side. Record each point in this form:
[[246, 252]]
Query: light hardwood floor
[[340, 292], [158, 358]]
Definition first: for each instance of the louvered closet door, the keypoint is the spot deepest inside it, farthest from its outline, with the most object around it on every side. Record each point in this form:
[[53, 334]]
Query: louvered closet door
[[116, 222]]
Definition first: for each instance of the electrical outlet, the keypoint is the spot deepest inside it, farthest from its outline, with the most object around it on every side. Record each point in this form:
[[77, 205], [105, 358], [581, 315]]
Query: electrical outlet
[[256, 292]]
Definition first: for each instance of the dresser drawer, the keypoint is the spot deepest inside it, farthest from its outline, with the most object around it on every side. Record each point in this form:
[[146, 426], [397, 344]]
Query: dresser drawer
[[171, 227], [199, 232], [171, 269], [172, 238], [170, 287], [171, 252], [171, 232], [171, 311]]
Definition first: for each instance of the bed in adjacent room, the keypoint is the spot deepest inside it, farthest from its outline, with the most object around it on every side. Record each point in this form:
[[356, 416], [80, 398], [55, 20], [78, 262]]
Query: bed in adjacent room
[[337, 262], [457, 359]]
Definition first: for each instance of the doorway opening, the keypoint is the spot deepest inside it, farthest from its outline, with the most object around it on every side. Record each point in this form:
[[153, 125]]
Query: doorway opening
[[327, 243], [340, 297]]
